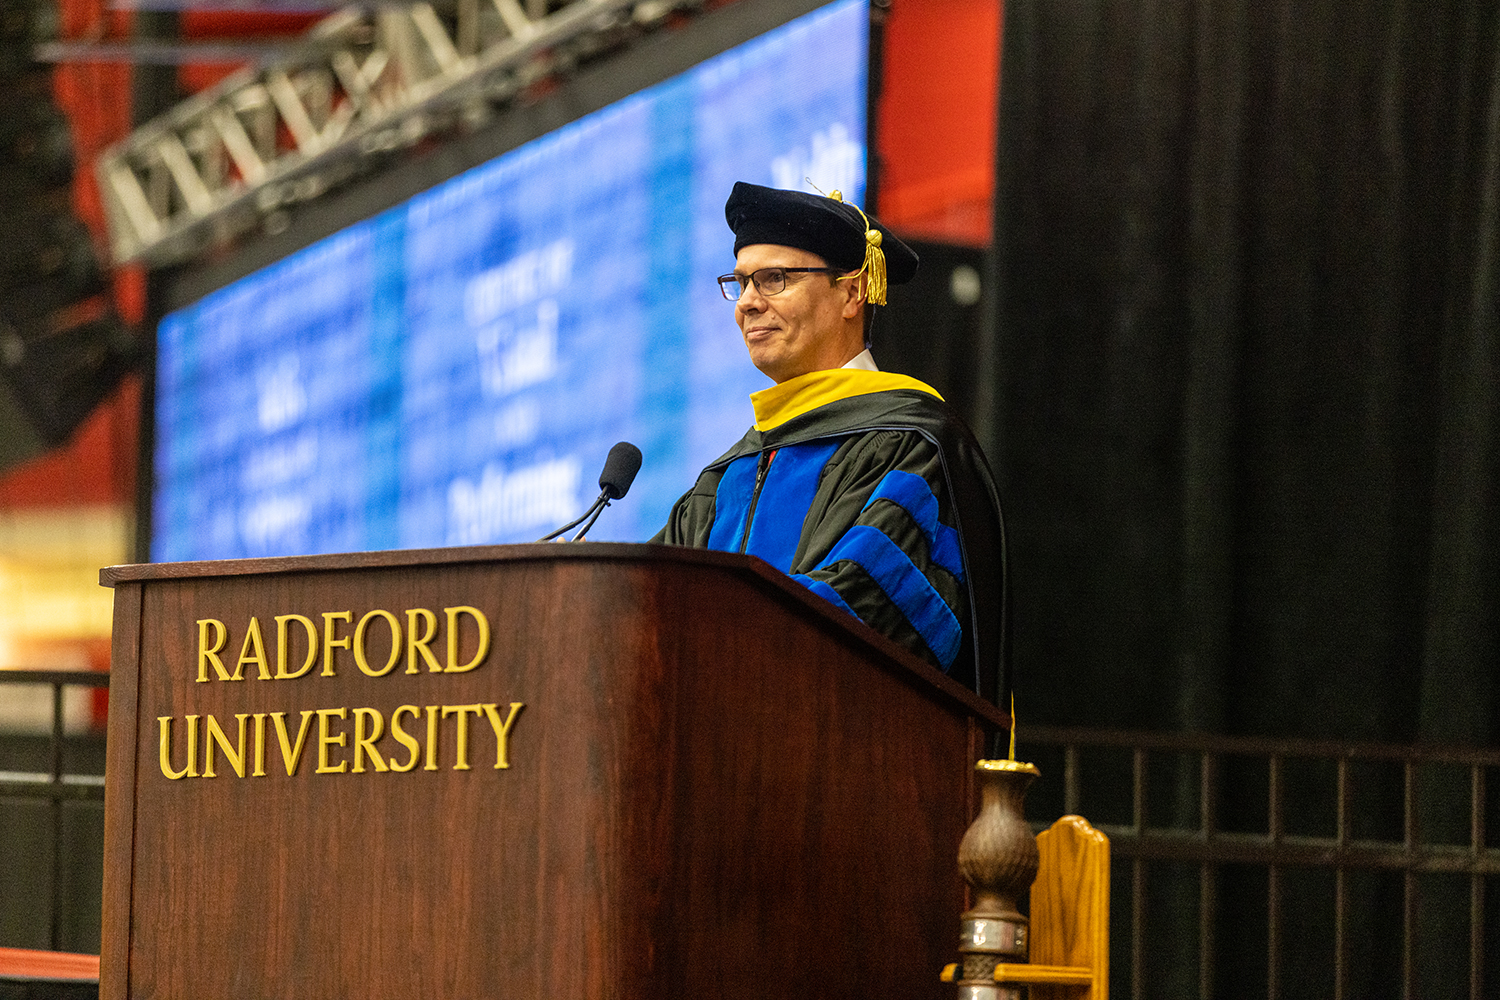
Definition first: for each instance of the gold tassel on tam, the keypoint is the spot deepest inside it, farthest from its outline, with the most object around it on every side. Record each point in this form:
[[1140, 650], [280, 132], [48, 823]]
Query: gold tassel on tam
[[874, 263]]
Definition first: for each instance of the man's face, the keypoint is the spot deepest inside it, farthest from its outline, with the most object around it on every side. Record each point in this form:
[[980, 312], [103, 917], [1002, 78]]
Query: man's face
[[803, 328]]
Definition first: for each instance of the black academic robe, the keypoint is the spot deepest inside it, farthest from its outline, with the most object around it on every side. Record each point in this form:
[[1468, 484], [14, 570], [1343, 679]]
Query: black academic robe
[[883, 504]]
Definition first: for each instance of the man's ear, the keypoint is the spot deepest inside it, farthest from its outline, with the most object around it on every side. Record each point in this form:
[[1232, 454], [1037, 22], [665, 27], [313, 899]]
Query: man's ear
[[854, 295]]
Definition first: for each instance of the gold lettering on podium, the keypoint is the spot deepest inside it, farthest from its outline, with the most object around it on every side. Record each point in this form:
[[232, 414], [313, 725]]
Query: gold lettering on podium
[[253, 651], [462, 711], [191, 771], [234, 755], [325, 741], [207, 738], [282, 674], [210, 654], [400, 735], [364, 744], [502, 732], [291, 756], [360, 659], [376, 742], [422, 626], [454, 667], [330, 643], [260, 746], [430, 764], [415, 646]]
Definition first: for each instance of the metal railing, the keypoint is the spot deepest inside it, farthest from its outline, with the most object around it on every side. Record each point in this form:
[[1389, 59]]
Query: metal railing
[[54, 785], [1359, 808]]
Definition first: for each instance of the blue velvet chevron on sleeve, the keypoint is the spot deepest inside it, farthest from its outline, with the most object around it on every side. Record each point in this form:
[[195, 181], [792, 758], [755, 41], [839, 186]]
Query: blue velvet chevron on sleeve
[[893, 569], [912, 494]]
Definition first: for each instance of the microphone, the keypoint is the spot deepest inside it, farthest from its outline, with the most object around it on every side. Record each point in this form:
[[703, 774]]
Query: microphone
[[620, 467]]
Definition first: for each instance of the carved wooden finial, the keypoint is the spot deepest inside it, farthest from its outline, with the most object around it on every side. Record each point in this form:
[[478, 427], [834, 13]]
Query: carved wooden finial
[[998, 858]]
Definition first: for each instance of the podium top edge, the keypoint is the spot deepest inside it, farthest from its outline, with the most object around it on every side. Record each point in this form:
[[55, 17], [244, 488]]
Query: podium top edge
[[109, 576]]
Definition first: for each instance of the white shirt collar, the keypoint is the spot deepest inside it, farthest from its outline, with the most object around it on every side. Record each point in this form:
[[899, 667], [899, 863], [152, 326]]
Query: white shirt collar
[[864, 359]]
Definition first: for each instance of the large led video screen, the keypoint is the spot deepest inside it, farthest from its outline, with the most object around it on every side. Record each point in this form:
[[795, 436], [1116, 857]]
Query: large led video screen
[[454, 370]]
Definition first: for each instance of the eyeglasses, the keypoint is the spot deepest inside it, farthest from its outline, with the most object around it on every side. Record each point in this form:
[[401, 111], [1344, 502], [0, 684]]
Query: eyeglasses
[[768, 280]]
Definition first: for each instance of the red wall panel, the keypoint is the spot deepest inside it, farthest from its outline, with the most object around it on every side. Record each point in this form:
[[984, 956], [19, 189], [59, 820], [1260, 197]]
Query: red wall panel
[[936, 119]]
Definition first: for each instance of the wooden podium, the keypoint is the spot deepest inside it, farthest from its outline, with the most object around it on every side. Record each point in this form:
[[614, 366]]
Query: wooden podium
[[539, 771]]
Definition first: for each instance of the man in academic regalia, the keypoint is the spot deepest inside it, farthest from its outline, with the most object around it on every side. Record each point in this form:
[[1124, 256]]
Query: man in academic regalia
[[864, 486]]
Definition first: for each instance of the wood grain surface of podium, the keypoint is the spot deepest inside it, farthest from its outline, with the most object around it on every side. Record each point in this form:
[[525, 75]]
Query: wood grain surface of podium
[[583, 771]]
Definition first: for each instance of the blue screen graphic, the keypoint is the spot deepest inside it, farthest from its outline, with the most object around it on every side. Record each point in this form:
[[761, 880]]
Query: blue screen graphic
[[453, 371]]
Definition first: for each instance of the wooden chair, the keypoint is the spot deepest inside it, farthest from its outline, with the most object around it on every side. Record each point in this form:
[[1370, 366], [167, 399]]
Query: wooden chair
[[1069, 948]]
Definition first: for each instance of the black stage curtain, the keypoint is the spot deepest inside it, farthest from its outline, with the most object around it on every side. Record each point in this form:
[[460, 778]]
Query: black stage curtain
[[1247, 387], [1243, 397]]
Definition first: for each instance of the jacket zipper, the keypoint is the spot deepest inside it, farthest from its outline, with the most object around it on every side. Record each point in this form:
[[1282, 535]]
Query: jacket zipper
[[762, 466]]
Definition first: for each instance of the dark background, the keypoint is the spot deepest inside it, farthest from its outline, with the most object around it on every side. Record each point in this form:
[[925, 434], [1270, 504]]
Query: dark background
[[1235, 368], [1241, 388]]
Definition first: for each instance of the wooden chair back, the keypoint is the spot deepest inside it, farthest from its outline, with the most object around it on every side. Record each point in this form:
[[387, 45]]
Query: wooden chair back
[[1070, 907]]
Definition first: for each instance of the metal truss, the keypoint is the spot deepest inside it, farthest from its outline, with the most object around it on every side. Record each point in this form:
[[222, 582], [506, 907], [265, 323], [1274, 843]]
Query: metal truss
[[360, 85]]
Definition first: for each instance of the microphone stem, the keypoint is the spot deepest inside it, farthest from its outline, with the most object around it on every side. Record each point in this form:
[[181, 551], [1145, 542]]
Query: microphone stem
[[585, 529], [595, 508]]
